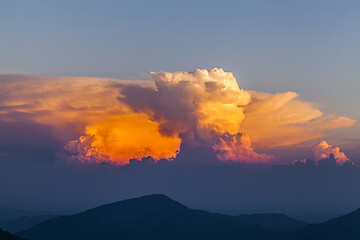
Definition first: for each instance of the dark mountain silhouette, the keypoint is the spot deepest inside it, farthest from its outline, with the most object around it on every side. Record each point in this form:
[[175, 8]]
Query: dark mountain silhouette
[[150, 217], [7, 236], [271, 221], [158, 217], [24, 222], [346, 227]]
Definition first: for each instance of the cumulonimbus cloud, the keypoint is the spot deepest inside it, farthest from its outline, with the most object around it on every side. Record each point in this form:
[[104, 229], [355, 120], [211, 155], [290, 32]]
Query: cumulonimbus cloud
[[207, 107], [113, 120]]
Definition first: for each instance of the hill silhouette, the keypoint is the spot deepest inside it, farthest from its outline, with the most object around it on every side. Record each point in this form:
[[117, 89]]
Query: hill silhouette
[[24, 222], [159, 217], [346, 227], [271, 221], [8, 236], [150, 217]]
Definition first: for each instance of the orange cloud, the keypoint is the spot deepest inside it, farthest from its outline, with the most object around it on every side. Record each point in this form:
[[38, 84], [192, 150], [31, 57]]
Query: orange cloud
[[207, 107], [114, 120], [281, 120], [101, 127], [203, 108], [121, 138]]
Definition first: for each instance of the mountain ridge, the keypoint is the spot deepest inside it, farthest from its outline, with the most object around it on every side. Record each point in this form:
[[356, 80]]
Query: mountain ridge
[[344, 227], [159, 217], [150, 217]]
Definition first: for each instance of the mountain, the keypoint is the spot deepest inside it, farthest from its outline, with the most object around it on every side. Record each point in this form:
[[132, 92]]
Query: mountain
[[159, 217], [150, 217], [7, 214], [271, 221], [24, 222], [346, 227], [8, 236]]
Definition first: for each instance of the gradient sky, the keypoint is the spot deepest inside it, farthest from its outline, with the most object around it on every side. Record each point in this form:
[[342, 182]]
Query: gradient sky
[[308, 47]]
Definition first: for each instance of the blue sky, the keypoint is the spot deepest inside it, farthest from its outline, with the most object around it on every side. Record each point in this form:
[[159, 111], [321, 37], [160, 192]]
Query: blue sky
[[310, 47]]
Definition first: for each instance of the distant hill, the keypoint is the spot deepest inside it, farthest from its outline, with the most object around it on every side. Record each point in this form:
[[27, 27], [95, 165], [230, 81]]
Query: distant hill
[[150, 217], [159, 217], [7, 236], [7, 214], [271, 221], [346, 227], [24, 222]]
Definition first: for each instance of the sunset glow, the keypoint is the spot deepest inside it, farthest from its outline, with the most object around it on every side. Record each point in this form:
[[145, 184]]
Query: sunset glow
[[109, 120], [122, 138]]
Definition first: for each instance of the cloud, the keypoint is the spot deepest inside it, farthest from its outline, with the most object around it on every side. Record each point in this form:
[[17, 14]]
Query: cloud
[[207, 108], [204, 111], [85, 115], [281, 120], [121, 138], [324, 150], [237, 147], [204, 108], [84, 150]]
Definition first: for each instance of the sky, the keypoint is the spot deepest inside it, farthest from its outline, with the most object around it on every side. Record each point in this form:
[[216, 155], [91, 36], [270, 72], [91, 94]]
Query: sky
[[202, 87]]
